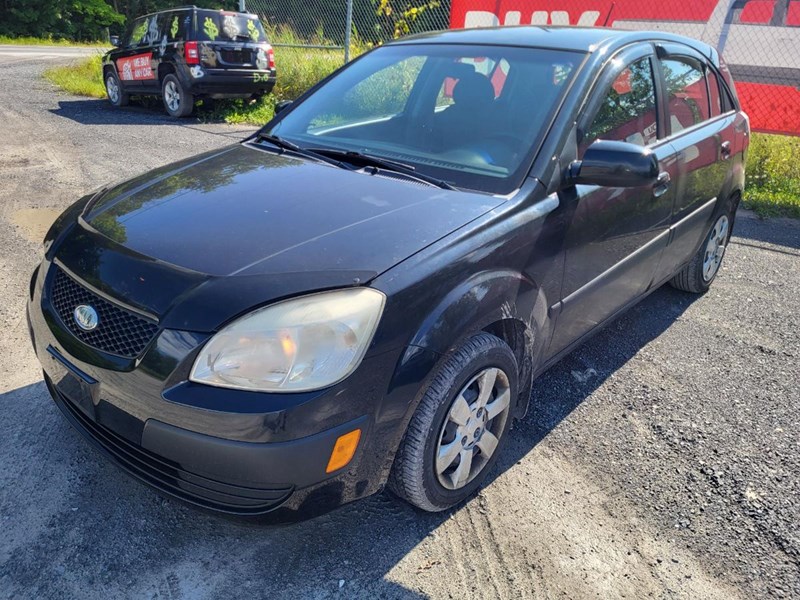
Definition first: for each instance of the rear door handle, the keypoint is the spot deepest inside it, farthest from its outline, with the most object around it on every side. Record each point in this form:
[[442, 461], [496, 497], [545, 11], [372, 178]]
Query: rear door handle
[[662, 184], [725, 150]]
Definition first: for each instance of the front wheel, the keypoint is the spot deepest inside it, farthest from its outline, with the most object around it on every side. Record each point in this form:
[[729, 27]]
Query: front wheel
[[116, 96], [699, 274], [177, 101], [459, 427]]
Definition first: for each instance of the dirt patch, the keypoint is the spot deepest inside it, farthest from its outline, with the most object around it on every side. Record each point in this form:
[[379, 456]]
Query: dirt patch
[[34, 222]]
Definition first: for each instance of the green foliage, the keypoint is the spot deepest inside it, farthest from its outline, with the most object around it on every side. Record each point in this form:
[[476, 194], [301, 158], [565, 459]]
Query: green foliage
[[398, 17], [298, 70], [773, 175], [83, 78], [81, 20]]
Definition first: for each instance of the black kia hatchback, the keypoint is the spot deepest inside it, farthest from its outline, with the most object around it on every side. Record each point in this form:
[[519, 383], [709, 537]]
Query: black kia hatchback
[[362, 293], [188, 53]]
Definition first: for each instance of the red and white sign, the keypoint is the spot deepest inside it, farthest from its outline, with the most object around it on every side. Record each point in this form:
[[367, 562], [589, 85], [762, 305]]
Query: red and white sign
[[760, 39], [136, 67]]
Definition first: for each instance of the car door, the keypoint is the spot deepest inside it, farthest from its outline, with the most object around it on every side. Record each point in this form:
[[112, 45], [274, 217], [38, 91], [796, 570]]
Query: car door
[[615, 236], [703, 136], [134, 65]]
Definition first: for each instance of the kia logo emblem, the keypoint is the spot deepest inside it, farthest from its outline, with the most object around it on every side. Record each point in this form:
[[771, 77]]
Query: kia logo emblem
[[86, 317]]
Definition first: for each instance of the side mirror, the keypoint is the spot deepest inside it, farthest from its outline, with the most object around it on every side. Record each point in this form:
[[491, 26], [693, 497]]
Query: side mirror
[[282, 105], [114, 39], [614, 164]]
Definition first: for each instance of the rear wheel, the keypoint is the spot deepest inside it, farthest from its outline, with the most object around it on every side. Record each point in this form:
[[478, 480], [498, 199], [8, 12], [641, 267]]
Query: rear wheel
[[177, 101], [699, 274], [459, 427], [116, 96]]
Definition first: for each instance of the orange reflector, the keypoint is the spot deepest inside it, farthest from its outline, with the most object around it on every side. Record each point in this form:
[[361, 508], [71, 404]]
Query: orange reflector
[[344, 450]]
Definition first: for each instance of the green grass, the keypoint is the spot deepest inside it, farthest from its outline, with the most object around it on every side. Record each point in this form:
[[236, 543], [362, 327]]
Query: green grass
[[34, 41], [298, 70], [83, 77], [773, 176]]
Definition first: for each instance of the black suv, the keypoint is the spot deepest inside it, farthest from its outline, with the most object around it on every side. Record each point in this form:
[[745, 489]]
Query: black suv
[[188, 53]]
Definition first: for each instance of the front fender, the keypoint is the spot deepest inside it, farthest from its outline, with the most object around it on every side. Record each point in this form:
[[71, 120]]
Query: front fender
[[505, 303]]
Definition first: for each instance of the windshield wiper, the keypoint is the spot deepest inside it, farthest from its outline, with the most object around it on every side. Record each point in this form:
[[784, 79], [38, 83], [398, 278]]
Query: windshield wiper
[[370, 160], [285, 144]]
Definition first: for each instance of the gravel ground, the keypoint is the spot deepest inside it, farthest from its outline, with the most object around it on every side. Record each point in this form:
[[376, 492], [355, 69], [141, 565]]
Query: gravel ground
[[661, 459]]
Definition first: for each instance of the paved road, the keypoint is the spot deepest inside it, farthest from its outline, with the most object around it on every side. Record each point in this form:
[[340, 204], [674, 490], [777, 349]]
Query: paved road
[[661, 459], [12, 52]]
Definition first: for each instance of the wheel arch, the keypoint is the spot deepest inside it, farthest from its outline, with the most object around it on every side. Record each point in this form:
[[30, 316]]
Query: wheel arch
[[506, 304]]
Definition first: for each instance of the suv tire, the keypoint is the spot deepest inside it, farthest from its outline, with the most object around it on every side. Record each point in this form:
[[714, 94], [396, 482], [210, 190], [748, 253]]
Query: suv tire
[[116, 96], [464, 415], [177, 101]]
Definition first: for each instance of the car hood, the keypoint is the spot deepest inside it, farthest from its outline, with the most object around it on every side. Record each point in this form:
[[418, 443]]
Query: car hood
[[246, 211], [203, 240]]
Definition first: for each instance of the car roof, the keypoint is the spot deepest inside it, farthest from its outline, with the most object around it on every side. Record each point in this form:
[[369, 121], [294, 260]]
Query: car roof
[[578, 39]]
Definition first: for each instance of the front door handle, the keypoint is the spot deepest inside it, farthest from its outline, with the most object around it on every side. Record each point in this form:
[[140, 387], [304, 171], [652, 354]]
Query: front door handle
[[725, 150], [661, 185]]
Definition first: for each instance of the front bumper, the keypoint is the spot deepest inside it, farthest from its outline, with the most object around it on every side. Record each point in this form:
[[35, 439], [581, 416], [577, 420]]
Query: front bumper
[[235, 452], [176, 462]]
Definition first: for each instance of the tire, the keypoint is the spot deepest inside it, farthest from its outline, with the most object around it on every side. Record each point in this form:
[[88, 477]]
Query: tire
[[702, 270], [458, 380], [177, 101], [116, 96]]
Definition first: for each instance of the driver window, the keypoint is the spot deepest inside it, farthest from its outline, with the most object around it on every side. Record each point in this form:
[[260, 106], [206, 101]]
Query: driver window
[[628, 110]]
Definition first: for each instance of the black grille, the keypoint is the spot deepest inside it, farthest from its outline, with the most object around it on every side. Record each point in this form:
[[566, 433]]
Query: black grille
[[167, 476], [118, 331]]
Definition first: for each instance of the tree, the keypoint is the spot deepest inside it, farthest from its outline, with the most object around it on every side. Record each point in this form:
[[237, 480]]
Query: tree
[[70, 19]]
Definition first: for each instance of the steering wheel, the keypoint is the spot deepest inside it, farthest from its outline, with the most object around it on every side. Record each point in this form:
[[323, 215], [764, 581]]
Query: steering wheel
[[497, 148]]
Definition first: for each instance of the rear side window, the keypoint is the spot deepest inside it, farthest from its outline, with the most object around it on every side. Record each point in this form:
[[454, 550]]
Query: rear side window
[[219, 26], [628, 110], [687, 94], [146, 31], [177, 25]]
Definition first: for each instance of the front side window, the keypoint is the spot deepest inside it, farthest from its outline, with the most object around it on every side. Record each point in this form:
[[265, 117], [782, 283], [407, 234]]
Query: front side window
[[628, 110], [687, 94], [469, 115], [139, 32]]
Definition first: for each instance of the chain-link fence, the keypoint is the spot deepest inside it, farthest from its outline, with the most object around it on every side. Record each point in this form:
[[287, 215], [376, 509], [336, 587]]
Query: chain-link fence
[[347, 25], [760, 39]]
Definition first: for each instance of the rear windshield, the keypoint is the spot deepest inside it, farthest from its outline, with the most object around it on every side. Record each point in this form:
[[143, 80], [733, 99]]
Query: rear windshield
[[228, 27]]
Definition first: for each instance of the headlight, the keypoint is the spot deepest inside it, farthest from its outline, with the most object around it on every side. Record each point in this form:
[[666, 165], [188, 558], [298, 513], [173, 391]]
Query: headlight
[[297, 345]]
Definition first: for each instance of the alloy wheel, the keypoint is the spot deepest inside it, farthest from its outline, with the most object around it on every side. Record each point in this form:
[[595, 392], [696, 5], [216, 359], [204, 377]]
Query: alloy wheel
[[112, 89], [172, 96], [715, 248], [470, 433]]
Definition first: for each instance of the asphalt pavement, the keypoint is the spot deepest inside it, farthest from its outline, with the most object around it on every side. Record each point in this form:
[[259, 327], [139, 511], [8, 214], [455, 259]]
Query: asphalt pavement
[[660, 460]]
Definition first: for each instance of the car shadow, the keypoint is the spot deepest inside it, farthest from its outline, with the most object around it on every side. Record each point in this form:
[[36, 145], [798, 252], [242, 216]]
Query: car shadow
[[105, 515], [783, 232], [139, 113]]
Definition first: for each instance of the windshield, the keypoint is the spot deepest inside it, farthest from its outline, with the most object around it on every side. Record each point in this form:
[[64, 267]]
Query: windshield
[[223, 26], [468, 115]]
